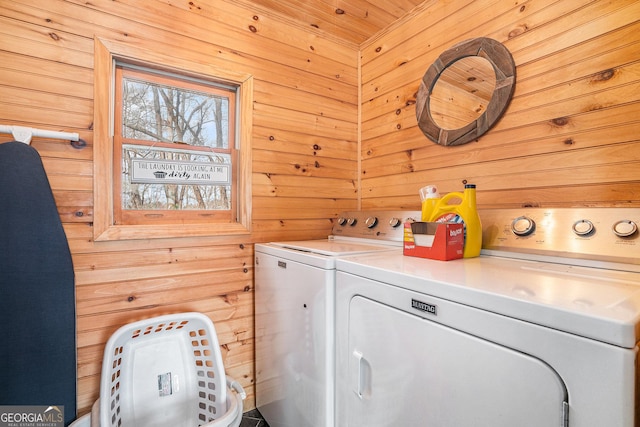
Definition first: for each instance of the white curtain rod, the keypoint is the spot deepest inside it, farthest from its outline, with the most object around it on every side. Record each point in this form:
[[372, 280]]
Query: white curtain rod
[[24, 134]]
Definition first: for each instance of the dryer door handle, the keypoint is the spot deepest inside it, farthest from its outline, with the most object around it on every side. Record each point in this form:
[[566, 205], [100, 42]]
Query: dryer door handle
[[361, 375]]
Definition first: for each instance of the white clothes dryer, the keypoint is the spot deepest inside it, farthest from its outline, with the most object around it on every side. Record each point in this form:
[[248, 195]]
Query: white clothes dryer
[[541, 330]]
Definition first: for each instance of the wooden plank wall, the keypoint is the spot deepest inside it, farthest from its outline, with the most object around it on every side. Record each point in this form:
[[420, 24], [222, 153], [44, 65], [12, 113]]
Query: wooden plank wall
[[570, 136], [304, 155]]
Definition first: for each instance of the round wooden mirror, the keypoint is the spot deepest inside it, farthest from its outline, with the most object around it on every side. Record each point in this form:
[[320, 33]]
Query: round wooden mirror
[[465, 91]]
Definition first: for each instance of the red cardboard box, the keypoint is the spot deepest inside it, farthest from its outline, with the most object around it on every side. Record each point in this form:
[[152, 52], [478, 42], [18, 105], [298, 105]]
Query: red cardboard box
[[435, 240]]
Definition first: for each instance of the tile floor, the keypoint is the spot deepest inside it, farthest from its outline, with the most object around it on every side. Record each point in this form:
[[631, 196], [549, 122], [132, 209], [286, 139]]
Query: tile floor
[[253, 418]]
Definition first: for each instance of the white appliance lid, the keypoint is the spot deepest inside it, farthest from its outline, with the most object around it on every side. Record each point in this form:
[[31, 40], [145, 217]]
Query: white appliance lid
[[595, 303], [331, 247], [320, 253]]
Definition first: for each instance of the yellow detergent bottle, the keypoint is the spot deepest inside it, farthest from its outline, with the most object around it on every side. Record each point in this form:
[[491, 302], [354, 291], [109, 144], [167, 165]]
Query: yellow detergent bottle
[[466, 213], [430, 197]]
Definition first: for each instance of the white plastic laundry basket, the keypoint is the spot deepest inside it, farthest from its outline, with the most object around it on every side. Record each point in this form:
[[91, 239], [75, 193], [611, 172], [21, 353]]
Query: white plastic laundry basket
[[83, 421], [167, 371], [92, 419]]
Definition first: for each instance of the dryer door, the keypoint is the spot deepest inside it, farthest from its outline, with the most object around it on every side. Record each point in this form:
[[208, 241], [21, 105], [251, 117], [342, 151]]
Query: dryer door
[[405, 370]]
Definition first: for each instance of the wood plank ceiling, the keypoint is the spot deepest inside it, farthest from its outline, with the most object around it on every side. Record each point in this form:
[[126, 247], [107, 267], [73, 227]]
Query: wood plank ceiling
[[353, 21]]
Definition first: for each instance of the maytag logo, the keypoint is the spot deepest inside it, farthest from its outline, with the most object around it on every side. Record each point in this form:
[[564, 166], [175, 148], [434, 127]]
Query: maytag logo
[[423, 306], [32, 416]]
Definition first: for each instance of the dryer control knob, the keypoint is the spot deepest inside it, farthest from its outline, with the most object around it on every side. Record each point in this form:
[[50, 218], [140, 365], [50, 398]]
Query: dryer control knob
[[394, 222], [625, 228], [523, 226], [342, 220], [584, 227], [371, 222], [352, 221]]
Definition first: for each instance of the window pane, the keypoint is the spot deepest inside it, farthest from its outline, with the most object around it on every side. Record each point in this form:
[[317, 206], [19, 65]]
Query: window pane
[[179, 154], [155, 112]]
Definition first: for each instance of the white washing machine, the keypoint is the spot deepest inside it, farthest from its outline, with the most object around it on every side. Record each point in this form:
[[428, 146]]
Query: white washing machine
[[295, 315], [541, 330]]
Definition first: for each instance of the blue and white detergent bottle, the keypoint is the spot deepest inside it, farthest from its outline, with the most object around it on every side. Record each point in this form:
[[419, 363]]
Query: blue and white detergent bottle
[[465, 212]]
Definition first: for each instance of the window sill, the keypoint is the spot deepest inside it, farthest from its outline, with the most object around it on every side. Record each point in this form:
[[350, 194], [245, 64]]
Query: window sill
[[138, 232]]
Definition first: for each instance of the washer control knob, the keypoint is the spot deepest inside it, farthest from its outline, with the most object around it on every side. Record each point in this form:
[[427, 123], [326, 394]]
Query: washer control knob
[[625, 228], [523, 226], [352, 221], [371, 222], [583, 227], [342, 220], [394, 222]]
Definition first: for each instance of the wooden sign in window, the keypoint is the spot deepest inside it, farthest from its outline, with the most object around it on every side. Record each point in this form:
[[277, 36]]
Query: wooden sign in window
[[186, 173]]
